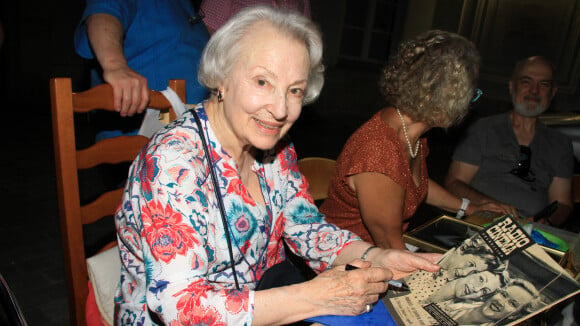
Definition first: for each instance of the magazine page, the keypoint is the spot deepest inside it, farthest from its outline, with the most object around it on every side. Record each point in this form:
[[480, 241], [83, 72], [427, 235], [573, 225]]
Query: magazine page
[[499, 276]]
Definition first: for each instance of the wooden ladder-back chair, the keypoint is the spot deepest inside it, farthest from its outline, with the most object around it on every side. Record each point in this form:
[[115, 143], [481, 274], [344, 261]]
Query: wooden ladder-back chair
[[318, 171], [68, 160]]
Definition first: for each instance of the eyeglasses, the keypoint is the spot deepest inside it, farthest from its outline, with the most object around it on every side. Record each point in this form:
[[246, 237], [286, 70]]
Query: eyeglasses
[[522, 168], [477, 95]]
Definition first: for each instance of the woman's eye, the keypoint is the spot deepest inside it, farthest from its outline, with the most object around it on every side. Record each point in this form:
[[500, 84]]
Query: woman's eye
[[262, 82], [297, 91]]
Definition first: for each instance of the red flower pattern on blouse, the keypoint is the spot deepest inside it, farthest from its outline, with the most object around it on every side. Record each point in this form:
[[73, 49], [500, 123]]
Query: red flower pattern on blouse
[[190, 309], [236, 186], [165, 232], [303, 191], [236, 301]]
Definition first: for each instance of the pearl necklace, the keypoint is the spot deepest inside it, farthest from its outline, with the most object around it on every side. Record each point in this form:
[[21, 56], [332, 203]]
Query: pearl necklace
[[417, 145]]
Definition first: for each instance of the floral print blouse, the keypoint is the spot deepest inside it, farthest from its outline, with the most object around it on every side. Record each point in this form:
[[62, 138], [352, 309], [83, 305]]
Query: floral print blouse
[[175, 262]]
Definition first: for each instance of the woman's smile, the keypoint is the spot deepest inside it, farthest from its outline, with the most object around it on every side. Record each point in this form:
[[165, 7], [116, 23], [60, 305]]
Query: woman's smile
[[270, 128], [495, 306]]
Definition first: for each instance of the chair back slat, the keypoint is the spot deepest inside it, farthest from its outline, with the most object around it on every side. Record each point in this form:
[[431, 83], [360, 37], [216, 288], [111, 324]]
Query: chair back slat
[[100, 97], [107, 202], [96, 97], [110, 151]]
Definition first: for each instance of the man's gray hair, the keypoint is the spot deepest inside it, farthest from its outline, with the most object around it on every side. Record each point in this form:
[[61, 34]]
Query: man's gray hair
[[225, 46]]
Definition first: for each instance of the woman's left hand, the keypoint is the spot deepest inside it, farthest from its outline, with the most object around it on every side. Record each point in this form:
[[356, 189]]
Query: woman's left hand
[[403, 262]]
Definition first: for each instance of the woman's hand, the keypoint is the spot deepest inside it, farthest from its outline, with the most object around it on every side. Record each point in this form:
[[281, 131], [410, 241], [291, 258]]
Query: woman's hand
[[341, 292], [401, 263]]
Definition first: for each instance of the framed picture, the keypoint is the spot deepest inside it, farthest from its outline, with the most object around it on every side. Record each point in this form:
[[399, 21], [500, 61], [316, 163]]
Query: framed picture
[[441, 234], [445, 232]]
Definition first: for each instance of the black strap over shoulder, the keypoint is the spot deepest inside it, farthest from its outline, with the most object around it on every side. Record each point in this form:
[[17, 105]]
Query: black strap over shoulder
[[290, 271], [218, 195]]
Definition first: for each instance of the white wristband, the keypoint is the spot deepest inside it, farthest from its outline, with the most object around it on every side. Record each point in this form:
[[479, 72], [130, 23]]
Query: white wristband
[[461, 212]]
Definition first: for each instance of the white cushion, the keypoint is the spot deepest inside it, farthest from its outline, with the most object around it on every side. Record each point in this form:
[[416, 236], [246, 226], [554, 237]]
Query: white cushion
[[104, 274]]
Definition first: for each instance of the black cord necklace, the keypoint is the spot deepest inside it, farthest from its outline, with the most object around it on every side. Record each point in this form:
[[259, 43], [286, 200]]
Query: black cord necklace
[[218, 195]]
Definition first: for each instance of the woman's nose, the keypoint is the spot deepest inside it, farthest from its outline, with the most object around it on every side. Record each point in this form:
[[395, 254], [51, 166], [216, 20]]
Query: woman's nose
[[280, 106]]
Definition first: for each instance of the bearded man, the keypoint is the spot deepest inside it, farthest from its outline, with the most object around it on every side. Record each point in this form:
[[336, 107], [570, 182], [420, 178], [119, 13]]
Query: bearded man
[[514, 160]]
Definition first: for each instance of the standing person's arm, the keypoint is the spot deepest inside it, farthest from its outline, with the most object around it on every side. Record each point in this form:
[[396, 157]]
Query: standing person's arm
[[381, 201], [131, 93]]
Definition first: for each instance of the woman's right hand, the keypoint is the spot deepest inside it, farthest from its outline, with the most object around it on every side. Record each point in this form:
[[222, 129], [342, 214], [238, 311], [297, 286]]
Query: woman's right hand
[[341, 292]]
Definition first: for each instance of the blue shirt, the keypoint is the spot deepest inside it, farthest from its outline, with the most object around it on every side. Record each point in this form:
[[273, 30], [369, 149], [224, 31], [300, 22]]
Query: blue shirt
[[162, 42]]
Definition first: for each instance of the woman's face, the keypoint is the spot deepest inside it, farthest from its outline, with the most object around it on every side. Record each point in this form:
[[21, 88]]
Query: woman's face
[[262, 96], [474, 242], [505, 302], [467, 264], [473, 286]]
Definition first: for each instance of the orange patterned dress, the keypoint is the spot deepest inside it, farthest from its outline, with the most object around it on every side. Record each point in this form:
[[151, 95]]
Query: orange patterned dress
[[374, 147]]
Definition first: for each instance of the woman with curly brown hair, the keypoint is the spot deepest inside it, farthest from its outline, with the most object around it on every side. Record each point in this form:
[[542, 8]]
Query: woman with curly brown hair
[[381, 174]]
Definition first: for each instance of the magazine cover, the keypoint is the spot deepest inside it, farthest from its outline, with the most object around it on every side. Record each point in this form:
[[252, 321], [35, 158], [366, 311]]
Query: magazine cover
[[499, 276]]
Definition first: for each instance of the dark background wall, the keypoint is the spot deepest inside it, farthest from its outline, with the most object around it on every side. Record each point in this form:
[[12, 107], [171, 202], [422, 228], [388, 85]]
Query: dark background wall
[[38, 41], [38, 45]]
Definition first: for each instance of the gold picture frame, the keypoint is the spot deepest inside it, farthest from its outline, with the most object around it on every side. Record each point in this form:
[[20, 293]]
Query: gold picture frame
[[444, 232]]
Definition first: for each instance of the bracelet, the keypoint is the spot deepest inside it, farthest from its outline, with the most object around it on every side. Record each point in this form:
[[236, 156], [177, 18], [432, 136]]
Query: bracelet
[[366, 253], [461, 212]]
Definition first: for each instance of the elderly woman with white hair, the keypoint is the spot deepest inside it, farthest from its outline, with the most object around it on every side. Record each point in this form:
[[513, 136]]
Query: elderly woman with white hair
[[213, 196]]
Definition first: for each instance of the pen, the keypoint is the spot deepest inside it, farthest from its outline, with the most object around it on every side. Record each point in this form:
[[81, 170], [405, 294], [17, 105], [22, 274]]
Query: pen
[[398, 285]]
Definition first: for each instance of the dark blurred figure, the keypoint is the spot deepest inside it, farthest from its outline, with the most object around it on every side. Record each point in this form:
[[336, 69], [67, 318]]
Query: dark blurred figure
[[1, 34], [217, 12]]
